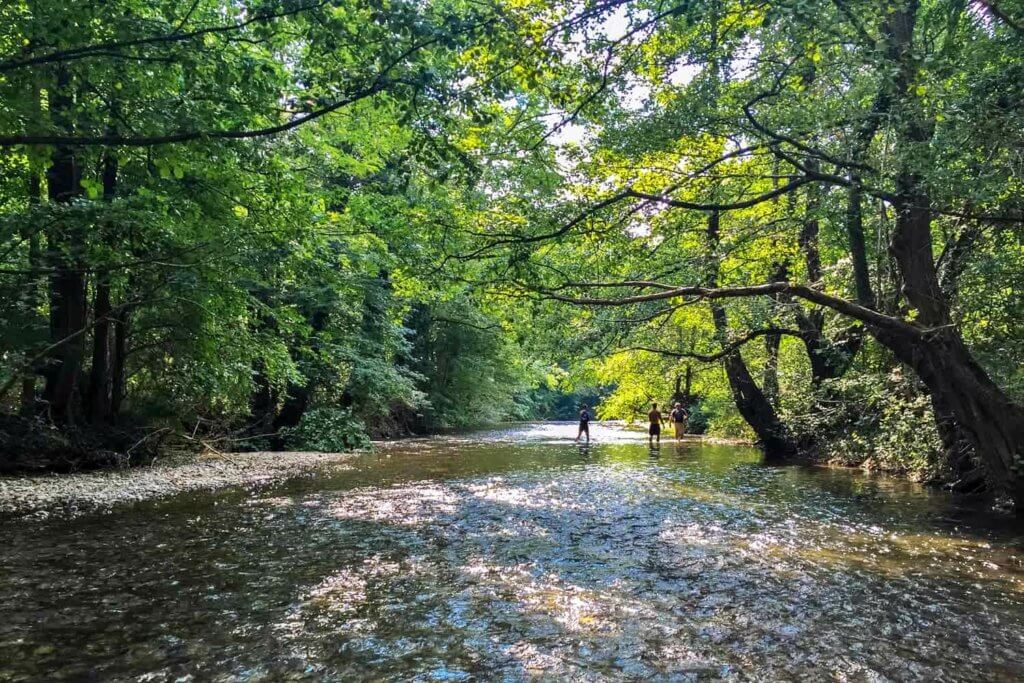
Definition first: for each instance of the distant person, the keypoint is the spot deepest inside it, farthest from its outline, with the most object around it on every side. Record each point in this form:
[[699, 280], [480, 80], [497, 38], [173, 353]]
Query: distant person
[[584, 423], [679, 418], [654, 431]]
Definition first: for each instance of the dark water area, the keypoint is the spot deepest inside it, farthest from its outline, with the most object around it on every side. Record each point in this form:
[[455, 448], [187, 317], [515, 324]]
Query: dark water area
[[516, 554]]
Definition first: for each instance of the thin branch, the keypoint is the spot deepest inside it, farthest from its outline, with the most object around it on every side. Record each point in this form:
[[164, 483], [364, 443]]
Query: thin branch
[[175, 36], [726, 350]]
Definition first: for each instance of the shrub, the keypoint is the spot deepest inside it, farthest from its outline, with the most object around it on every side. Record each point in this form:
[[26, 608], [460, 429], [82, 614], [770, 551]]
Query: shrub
[[881, 421], [327, 429]]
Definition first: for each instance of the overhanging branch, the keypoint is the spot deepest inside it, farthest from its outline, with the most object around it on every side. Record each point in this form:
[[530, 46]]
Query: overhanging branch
[[725, 351], [848, 308]]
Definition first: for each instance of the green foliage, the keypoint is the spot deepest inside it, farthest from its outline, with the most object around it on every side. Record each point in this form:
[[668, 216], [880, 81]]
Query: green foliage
[[872, 420], [327, 430], [472, 371], [331, 219]]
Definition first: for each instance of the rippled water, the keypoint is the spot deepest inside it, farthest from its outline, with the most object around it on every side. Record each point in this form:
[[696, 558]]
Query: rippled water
[[516, 554]]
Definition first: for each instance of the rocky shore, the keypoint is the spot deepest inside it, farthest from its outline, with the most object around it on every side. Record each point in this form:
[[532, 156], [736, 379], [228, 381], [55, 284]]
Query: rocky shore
[[68, 495]]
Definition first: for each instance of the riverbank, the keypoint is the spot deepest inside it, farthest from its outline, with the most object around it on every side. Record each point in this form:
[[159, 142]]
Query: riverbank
[[68, 495], [100, 490]]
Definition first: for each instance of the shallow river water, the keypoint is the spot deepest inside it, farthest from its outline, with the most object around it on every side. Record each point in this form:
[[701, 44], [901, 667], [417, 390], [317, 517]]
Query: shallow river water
[[515, 554]]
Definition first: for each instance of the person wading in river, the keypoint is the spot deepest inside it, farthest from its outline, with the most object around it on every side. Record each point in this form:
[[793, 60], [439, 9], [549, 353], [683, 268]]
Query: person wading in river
[[584, 423], [654, 431], [678, 417]]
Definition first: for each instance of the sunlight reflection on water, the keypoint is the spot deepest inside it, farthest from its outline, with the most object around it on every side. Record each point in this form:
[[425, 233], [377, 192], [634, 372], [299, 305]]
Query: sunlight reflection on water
[[514, 554]]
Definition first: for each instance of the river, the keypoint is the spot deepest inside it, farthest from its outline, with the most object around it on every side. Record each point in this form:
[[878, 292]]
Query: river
[[515, 554]]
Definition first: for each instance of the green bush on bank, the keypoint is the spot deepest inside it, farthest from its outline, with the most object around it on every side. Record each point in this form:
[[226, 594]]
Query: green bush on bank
[[329, 430], [872, 420]]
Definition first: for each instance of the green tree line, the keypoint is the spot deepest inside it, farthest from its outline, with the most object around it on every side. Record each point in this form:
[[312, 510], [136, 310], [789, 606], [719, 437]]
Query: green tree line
[[314, 220]]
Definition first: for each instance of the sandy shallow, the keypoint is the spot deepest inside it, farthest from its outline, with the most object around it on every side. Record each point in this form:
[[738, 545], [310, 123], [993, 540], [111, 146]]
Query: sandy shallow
[[73, 494]]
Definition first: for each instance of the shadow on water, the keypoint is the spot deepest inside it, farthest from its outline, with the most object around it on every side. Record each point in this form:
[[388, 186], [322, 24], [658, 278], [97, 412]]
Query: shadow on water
[[516, 554]]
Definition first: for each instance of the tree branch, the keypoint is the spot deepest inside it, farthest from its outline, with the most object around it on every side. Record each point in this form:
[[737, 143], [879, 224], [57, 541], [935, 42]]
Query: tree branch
[[848, 308], [725, 351], [175, 36]]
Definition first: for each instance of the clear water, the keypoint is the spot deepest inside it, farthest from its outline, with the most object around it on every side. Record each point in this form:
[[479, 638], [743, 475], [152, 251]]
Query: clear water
[[515, 554]]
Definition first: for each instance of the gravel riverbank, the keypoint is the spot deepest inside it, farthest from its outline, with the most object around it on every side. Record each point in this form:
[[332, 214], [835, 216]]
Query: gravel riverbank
[[72, 494]]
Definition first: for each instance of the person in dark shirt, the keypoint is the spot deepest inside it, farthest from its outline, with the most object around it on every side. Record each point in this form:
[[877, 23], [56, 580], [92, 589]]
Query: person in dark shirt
[[679, 417], [584, 423], [654, 431]]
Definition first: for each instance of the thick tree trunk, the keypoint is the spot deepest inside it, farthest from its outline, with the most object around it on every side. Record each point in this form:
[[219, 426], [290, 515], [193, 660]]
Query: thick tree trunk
[[67, 325], [67, 281], [98, 398], [99, 395], [751, 402], [966, 474], [982, 411], [118, 373], [992, 423]]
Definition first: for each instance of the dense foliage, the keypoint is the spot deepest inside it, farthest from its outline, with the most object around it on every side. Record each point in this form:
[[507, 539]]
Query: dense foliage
[[294, 224], [214, 221]]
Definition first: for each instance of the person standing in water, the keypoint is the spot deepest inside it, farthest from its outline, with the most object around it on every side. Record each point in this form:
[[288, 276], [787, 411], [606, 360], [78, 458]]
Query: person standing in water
[[678, 417], [584, 423], [654, 431]]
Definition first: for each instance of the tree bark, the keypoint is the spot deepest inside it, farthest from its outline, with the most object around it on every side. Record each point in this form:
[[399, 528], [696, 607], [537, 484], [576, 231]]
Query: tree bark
[[858, 246], [35, 299], [119, 376], [98, 397], [751, 402], [959, 386], [67, 281], [98, 400], [829, 358]]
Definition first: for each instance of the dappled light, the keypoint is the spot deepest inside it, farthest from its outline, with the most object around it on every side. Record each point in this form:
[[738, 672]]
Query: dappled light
[[505, 554], [472, 340]]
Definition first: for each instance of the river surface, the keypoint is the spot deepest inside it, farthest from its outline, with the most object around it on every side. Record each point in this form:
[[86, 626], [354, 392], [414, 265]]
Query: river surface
[[515, 554]]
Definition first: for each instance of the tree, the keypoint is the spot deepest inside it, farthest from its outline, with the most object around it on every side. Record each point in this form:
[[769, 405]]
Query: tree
[[854, 99]]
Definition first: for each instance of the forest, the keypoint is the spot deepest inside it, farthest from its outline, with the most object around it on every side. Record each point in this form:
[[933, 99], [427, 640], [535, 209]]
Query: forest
[[303, 224]]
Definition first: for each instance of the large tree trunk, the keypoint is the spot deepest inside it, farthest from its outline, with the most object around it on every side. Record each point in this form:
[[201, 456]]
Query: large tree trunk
[[67, 281], [966, 475], [983, 413], [959, 386], [99, 397], [751, 402], [992, 423]]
